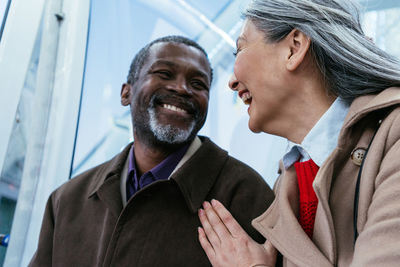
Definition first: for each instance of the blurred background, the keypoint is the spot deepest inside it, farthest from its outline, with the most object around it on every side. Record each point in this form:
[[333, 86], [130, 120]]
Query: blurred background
[[62, 64]]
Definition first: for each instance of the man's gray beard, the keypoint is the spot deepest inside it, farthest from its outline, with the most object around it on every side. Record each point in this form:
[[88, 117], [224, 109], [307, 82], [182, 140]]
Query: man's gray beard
[[167, 133]]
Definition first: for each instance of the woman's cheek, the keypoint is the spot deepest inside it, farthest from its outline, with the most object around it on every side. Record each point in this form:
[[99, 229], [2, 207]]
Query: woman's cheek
[[239, 67]]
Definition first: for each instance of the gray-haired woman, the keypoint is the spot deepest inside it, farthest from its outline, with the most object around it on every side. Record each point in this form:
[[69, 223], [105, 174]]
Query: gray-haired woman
[[309, 74]]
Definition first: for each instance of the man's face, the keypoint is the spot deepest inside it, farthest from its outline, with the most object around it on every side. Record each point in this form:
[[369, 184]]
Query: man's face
[[169, 101]]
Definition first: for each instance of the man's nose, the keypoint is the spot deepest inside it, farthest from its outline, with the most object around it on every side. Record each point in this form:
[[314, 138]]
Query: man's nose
[[180, 86], [233, 83]]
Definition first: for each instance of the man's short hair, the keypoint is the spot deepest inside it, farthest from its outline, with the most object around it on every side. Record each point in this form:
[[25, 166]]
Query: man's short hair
[[141, 56]]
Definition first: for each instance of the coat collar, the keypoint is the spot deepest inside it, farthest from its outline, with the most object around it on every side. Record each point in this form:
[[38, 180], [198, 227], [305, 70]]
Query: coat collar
[[195, 177], [199, 173], [360, 108], [279, 223], [106, 182], [109, 169], [364, 105]]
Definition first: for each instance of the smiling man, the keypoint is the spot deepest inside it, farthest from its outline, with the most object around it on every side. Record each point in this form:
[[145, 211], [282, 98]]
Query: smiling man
[[140, 208]]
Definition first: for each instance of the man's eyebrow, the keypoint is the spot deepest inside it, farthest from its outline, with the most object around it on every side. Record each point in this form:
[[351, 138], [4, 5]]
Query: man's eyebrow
[[163, 62]]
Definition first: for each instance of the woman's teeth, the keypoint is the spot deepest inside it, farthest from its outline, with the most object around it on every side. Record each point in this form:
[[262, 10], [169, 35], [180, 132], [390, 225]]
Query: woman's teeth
[[246, 98], [174, 108]]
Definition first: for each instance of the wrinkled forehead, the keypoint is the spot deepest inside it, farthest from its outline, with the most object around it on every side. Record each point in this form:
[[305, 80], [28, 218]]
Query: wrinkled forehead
[[179, 54]]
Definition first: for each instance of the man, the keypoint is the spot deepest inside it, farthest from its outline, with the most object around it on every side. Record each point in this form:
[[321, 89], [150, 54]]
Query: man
[[140, 208]]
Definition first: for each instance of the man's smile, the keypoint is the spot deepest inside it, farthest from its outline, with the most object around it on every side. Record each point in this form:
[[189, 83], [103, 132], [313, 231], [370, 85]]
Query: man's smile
[[174, 108], [174, 105]]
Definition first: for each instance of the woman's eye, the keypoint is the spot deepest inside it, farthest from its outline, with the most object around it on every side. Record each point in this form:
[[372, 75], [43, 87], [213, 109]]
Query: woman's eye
[[236, 52]]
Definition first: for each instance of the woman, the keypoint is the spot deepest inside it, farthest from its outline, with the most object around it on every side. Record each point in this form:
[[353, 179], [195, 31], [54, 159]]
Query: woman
[[309, 74]]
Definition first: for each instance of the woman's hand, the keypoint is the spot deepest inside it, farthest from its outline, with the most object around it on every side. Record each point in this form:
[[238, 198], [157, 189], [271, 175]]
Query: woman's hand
[[227, 244]]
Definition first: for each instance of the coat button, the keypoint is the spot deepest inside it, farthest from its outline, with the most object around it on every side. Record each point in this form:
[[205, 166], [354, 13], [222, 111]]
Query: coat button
[[357, 155]]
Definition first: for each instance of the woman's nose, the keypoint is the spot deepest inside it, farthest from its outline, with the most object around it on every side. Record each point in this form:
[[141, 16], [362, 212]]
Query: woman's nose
[[233, 83]]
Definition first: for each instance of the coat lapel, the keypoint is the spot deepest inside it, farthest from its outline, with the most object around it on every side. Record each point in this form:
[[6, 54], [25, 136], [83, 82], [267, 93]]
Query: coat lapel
[[196, 180], [324, 231], [106, 186], [279, 224], [109, 192]]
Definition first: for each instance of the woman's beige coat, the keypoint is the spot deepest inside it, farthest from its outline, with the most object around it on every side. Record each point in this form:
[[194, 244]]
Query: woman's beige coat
[[378, 223]]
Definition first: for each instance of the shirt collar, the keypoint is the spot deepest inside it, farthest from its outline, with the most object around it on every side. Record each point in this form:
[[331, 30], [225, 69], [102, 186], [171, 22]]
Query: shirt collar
[[164, 169], [323, 137]]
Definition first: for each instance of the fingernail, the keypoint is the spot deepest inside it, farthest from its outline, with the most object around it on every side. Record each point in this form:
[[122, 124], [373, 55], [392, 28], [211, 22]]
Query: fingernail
[[201, 211], [213, 202], [206, 204]]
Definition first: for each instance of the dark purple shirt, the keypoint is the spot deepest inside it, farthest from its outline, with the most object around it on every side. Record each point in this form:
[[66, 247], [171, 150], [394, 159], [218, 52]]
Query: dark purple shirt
[[160, 172]]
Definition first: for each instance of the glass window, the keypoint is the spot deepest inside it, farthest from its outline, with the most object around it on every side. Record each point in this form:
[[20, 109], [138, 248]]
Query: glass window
[[119, 30], [380, 21]]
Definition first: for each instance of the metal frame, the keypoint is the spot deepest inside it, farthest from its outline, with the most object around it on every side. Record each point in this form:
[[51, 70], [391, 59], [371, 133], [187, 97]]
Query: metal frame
[[62, 74], [3, 17], [15, 54]]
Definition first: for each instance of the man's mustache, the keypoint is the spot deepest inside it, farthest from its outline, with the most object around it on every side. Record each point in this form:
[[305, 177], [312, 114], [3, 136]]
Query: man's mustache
[[190, 106]]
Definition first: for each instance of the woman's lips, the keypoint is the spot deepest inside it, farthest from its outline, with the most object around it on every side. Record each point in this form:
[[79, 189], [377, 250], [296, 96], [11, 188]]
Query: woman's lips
[[246, 96]]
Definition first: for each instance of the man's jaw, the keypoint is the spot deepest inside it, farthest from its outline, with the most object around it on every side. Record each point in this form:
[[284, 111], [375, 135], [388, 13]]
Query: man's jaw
[[168, 133], [167, 120], [172, 118]]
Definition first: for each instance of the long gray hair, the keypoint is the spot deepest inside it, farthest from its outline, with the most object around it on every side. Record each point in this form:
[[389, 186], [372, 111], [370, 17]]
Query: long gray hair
[[350, 63]]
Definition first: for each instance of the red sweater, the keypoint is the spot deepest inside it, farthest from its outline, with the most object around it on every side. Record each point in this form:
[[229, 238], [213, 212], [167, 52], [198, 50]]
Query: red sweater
[[306, 172]]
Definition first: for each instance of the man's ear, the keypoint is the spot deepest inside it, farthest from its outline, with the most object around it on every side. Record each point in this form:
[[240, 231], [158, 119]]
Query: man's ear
[[298, 43], [126, 94]]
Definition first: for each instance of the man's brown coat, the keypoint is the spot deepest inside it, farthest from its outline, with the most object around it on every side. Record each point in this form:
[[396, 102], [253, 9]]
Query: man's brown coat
[[85, 223]]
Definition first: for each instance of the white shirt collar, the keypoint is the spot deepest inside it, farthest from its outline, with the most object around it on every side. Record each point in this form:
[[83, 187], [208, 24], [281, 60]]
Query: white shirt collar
[[322, 139]]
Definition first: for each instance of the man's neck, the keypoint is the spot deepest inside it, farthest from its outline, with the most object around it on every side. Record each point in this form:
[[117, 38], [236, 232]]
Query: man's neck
[[148, 156]]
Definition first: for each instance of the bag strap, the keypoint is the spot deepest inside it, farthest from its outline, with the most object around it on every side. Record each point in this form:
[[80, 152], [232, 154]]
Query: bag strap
[[357, 191]]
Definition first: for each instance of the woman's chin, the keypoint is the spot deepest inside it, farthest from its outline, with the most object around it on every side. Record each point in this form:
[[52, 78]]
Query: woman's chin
[[253, 127]]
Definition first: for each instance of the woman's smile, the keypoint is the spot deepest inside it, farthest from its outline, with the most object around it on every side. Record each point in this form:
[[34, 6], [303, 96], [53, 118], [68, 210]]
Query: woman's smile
[[246, 96]]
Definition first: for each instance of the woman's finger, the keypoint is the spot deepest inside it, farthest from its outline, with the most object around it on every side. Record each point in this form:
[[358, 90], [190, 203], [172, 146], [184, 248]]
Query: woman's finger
[[231, 224], [216, 222], [208, 229], [270, 249], [206, 245]]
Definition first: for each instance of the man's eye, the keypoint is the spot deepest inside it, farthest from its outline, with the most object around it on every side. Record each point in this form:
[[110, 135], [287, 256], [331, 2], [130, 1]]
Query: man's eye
[[199, 85], [163, 74]]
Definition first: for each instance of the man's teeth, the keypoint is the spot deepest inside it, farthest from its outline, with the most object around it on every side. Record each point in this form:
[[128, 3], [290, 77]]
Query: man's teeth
[[174, 108], [246, 97]]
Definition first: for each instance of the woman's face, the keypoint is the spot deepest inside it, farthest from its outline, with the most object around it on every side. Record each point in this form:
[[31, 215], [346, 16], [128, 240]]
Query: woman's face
[[259, 77]]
